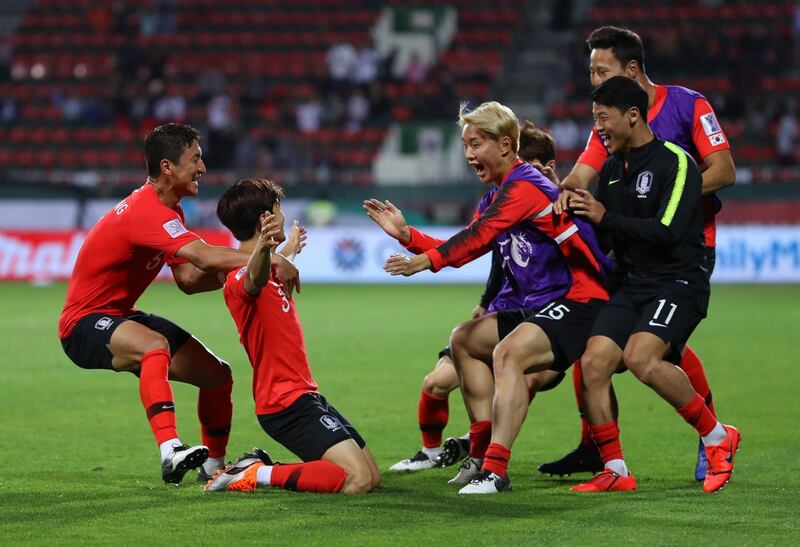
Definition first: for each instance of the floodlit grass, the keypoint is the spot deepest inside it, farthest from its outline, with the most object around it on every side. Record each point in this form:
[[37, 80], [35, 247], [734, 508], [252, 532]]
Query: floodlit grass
[[81, 467]]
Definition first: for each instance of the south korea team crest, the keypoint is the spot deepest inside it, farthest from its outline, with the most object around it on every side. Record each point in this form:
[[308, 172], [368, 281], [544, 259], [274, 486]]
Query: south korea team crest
[[330, 422], [644, 182]]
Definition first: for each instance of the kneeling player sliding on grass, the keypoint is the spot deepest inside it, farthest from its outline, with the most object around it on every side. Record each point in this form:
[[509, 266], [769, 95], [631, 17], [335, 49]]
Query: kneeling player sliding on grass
[[648, 201], [288, 405]]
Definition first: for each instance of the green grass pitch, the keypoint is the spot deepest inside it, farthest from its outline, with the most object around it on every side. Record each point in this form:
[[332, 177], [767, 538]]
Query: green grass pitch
[[80, 465]]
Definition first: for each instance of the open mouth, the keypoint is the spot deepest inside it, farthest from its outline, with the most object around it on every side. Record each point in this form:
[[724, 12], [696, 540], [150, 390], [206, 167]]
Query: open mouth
[[479, 169]]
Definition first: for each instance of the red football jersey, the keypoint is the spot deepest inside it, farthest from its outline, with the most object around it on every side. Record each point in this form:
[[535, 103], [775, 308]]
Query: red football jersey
[[121, 256], [683, 117], [272, 336]]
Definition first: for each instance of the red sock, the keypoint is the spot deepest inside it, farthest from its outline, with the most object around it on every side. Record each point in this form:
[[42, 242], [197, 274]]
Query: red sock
[[156, 394], [606, 437], [433, 413], [693, 367], [496, 460], [577, 377], [321, 477], [215, 410], [697, 414], [480, 433]]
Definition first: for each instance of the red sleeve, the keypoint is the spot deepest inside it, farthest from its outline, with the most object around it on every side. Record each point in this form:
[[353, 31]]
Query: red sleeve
[[595, 153], [234, 285], [515, 201], [420, 242], [707, 135], [160, 228]]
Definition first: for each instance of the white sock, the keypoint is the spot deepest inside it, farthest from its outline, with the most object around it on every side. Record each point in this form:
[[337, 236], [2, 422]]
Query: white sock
[[264, 475], [212, 465], [618, 467], [167, 446], [715, 436], [432, 453], [465, 436]]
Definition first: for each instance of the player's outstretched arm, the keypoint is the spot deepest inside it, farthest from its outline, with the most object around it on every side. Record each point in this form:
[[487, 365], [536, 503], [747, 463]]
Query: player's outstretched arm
[[258, 266], [192, 280], [389, 218], [400, 264], [211, 258]]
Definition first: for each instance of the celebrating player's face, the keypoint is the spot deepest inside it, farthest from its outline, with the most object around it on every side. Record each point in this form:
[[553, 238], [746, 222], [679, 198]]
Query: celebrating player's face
[[483, 154], [612, 125], [189, 168], [603, 65]]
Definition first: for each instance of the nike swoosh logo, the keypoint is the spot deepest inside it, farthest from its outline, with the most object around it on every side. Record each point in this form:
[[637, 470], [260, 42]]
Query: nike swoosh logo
[[613, 181]]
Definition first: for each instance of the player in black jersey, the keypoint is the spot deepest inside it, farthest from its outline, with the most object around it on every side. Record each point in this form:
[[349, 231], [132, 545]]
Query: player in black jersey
[[648, 202]]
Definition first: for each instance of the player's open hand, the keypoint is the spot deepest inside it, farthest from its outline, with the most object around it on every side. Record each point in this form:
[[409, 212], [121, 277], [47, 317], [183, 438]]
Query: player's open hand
[[400, 264], [296, 240], [584, 205], [271, 227], [547, 172], [389, 218]]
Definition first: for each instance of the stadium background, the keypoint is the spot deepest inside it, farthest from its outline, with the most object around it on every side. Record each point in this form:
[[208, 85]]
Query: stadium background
[[81, 82], [343, 104]]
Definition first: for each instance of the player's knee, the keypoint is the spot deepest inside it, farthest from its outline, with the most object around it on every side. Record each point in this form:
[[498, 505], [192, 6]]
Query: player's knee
[[641, 364], [224, 375], [595, 369], [459, 339], [359, 481], [432, 386], [503, 359]]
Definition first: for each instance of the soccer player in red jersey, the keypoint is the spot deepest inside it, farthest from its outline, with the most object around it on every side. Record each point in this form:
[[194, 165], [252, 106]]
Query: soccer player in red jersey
[[553, 266], [289, 407], [675, 114], [537, 148], [100, 327]]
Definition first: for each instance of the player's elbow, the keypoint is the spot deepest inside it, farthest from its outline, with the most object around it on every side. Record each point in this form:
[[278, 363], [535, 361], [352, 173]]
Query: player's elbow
[[729, 175]]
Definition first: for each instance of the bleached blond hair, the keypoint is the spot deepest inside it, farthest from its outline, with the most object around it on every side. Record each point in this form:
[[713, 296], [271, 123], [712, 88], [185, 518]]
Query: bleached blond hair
[[494, 119]]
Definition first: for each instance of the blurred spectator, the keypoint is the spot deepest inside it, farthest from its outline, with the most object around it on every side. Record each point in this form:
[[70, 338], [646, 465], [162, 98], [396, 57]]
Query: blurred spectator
[[366, 69], [357, 110], [8, 111], [416, 70], [308, 113], [342, 61], [786, 137]]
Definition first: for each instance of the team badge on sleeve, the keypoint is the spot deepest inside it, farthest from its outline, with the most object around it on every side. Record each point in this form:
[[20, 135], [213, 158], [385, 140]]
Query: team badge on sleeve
[[710, 124], [174, 228]]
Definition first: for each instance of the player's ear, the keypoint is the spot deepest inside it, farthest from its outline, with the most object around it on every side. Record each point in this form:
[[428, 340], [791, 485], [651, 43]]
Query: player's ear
[[632, 69], [633, 115], [505, 145], [166, 166], [551, 164]]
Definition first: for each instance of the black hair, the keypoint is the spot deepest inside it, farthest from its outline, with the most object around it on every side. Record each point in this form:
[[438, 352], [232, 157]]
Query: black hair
[[167, 141], [622, 93], [241, 206], [625, 44], [536, 143]]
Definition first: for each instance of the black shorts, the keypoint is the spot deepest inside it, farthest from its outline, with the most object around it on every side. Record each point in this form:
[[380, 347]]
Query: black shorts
[[508, 320], [567, 324], [86, 344], [309, 427], [669, 309], [445, 353]]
